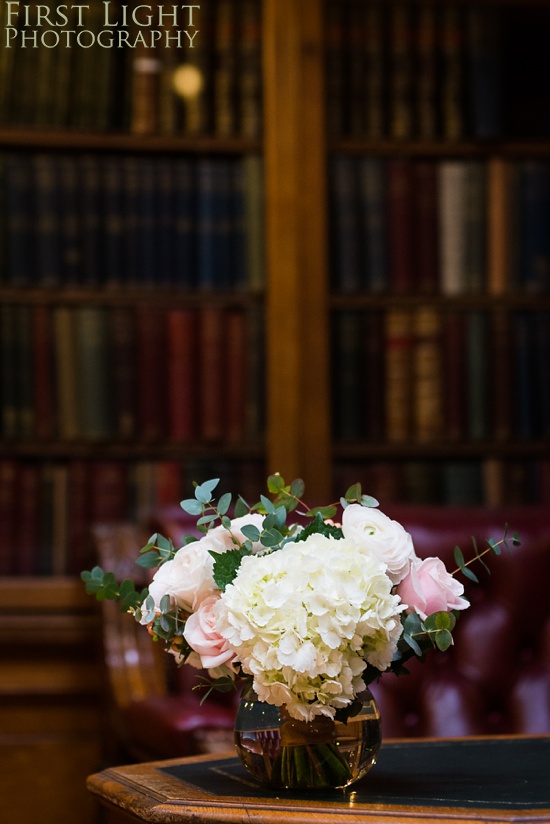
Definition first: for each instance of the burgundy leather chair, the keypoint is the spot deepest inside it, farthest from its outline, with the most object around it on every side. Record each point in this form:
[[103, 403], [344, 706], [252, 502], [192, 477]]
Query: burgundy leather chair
[[496, 677], [152, 710]]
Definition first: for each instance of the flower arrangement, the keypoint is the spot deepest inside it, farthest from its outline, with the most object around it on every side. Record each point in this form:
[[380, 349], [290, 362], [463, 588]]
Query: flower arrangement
[[308, 610]]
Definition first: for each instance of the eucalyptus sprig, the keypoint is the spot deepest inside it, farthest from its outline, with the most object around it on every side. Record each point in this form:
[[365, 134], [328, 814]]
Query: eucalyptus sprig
[[492, 546]]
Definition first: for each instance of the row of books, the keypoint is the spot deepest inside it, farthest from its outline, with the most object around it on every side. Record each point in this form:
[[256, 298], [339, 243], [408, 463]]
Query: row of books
[[451, 226], [92, 373], [424, 375], [459, 482], [434, 71], [48, 508], [190, 70], [105, 220]]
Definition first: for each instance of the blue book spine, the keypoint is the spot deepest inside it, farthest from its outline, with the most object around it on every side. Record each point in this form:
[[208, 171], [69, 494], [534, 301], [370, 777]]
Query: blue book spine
[[525, 375], [484, 71], [372, 210], [90, 208], [542, 360], [534, 255], [114, 225], [147, 224], [237, 238], [185, 224], [344, 209], [208, 209], [47, 220], [165, 211], [19, 237]]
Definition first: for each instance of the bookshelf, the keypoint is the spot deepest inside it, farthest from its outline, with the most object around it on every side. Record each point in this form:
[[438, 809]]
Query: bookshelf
[[298, 115], [439, 292], [313, 139]]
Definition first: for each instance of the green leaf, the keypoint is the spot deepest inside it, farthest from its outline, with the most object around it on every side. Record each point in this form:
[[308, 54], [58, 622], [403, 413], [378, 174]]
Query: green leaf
[[271, 538], [148, 561], [470, 574], [443, 640], [515, 539], [353, 493], [224, 503], [494, 545], [297, 488], [267, 504], [241, 507], [440, 621], [226, 565], [251, 532], [203, 492], [191, 506], [368, 500], [165, 605], [413, 644], [318, 526], [206, 519], [323, 511], [275, 483], [459, 557]]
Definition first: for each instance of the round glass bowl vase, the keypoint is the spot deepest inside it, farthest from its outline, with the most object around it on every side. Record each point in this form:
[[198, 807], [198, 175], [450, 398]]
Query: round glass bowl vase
[[281, 752]]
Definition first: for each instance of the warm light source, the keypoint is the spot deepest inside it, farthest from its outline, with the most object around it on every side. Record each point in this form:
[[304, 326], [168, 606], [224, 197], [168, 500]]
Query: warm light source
[[187, 80]]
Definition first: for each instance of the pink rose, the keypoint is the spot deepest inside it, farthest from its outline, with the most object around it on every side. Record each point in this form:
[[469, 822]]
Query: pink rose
[[202, 635], [430, 588]]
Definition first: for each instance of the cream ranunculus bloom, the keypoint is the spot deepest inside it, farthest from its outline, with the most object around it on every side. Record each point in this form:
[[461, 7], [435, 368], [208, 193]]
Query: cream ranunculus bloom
[[187, 578], [383, 536]]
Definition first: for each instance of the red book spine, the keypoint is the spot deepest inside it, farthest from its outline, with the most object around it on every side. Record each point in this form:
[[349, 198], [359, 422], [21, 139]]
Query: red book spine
[[400, 226], [43, 377], [8, 505], [80, 550], [236, 374], [153, 380], [426, 227], [182, 373], [27, 531], [211, 383], [108, 491], [454, 370]]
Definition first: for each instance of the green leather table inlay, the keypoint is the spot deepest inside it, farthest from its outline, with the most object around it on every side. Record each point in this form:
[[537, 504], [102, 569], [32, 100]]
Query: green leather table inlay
[[497, 773]]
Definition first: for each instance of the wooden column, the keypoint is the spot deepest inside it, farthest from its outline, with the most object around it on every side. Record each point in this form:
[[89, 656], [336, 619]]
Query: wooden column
[[296, 244]]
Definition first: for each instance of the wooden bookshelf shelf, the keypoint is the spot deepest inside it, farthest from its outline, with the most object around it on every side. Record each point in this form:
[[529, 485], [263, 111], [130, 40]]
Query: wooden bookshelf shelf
[[438, 149], [362, 450], [415, 301], [125, 296], [133, 451], [38, 139]]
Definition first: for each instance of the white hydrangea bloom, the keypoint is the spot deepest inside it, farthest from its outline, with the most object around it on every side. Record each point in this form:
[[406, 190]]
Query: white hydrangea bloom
[[305, 620]]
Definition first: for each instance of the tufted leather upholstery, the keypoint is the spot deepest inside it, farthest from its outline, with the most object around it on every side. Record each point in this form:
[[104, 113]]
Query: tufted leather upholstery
[[496, 677]]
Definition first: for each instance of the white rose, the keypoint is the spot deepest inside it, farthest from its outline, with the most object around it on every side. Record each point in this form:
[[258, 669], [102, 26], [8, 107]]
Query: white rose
[[387, 538], [220, 539], [187, 578]]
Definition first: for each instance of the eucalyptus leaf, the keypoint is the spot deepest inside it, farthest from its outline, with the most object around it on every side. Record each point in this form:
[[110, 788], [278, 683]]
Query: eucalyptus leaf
[[251, 532], [297, 488], [241, 507], [353, 493], [224, 503], [275, 483], [191, 506], [443, 640]]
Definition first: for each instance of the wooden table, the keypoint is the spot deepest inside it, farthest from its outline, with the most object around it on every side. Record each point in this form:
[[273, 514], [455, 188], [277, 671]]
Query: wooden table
[[500, 779]]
